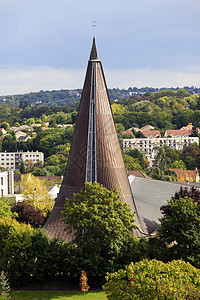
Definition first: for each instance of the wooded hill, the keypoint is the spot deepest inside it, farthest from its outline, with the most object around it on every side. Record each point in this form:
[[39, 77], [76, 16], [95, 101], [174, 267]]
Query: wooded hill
[[65, 97]]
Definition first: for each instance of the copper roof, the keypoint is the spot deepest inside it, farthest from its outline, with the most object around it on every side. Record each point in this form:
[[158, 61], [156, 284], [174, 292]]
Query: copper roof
[[95, 153]]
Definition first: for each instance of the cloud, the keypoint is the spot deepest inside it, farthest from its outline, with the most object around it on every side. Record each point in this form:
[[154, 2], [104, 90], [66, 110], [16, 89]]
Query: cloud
[[154, 78], [25, 80]]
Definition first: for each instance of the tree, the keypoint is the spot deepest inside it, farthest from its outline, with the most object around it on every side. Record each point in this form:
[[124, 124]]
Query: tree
[[5, 125], [135, 153], [22, 167], [36, 194], [4, 286], [131, 163], [5, 209], [178, 165], [83, 282], [190, 150], [100, 223], [28, 215], [9, 143], [180, 226], [147, 280], [161, 170]]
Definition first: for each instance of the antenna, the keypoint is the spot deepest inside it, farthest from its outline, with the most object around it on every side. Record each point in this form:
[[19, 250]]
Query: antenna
[[94, 25]]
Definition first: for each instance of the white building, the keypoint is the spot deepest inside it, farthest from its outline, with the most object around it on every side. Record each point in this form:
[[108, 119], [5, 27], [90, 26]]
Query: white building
[[6, 183], [147, 145], [13, 160]]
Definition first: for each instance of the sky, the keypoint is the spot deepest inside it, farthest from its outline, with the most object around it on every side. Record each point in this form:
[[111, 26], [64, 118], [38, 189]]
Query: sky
[[45, 44]]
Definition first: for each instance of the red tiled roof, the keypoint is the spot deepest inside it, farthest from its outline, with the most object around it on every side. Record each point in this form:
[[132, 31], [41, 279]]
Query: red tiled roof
[[186, 175], [152, 133], [126, 132], [179, 132]]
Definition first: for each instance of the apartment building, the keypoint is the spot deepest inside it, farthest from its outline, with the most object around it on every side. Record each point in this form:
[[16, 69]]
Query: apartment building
[[12, 160], [147, 145]]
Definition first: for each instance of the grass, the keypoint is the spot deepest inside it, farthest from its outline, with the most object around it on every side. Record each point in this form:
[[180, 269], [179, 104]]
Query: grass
[[56, 295]]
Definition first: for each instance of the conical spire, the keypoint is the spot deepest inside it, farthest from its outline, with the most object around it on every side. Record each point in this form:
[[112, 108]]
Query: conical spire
[[93, 53], [95, 153]]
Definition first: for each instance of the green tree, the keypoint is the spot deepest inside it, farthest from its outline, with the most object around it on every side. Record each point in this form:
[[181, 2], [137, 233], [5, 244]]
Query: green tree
[[147, 280], [22, 167], [178, 165], [135, 153], [180, 229], [100, 223], [131, 163], [5, 125], [5, 209], [9, 143]]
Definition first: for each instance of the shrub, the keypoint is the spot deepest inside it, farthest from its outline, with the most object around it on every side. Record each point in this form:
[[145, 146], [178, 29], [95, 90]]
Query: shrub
[[83, 282], [154, 280]]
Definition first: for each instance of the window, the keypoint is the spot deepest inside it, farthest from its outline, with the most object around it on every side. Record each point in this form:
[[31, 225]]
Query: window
[[1, 192], [1, 180]]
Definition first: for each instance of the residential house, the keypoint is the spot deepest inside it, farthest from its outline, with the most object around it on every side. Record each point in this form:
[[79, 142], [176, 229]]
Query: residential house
[[147, 127], [177, 133], [151, 133], [187, 175]]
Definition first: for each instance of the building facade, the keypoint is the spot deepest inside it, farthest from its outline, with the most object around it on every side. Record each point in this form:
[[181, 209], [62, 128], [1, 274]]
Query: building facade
[[12, 160], [147, 145], [6, 183]]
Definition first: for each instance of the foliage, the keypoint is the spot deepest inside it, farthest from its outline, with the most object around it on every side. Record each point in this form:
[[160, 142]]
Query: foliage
[[178, 165], [28, 256], [161, 169], [101, 223], [36, 194], [5, 209], [28, 215], [14, 240], [135, 153], [83, 282], [131, 163], [180, 228], [4, 287], [22, 167], [154, 280], [9, 143]]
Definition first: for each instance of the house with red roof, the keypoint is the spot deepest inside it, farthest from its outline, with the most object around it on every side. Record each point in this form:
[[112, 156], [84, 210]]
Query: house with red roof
[[151, 133], [177, 133]]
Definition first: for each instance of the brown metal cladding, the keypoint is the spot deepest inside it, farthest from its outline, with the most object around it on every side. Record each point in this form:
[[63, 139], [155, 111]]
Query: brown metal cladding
[[110, 168]]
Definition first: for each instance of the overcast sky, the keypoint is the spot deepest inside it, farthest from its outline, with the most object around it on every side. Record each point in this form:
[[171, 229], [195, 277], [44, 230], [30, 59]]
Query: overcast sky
[[45, 44]]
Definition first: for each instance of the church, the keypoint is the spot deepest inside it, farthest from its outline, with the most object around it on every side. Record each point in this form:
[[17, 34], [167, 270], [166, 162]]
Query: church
[[95, 155]]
